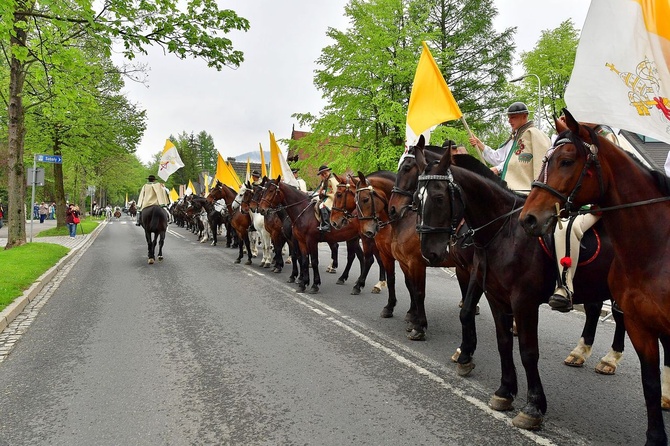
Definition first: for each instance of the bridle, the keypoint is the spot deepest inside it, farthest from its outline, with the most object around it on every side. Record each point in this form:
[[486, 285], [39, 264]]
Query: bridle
[[591, 152], [345, 190], [454, 192], [373, 193], [272, 199], [405, 193]]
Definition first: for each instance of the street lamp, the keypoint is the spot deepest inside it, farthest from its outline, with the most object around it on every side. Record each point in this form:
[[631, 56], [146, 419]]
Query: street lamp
[[539, 95]]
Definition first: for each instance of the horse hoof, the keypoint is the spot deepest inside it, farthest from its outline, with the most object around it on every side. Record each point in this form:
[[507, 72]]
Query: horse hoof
[[355, 291], [160, 258], [465, 369], [151, 261], [665, 403], [416, 335], [291, 280], [500, 404], [477, 311], [524, 421], [454, 357], [376, 290], [276, 270], [301, 289], [604, 368], [267, 265], [386, 313], [238, 261], [340, 282], [313, 290], [248, 262], [574, 360], [331, 270]]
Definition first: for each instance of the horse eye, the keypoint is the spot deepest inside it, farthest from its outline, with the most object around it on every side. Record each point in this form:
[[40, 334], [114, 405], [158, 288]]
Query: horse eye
[[566, 163], [438, 198]]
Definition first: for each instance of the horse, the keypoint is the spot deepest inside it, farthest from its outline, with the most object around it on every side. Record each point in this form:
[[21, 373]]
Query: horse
[[117, 212], [132, 210], [515, 272], [300, 209], [344, 213], [239, 222], [245, 196], [584, 168], [154, 221]]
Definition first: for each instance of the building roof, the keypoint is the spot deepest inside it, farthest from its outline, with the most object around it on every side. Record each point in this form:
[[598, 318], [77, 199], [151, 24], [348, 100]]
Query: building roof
[[653, 152]]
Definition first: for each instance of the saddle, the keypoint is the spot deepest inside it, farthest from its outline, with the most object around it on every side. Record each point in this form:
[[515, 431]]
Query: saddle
[[590, 246]]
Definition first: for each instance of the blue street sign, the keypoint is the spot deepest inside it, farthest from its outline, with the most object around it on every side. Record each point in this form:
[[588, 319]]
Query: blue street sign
[[57, 159]]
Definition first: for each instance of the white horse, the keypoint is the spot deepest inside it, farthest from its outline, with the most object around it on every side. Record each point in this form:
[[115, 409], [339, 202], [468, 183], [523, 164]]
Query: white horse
[[259, 224]]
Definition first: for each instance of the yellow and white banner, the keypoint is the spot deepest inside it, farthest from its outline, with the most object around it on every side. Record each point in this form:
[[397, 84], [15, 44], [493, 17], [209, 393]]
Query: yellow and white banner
[[170, 161], [621, 75], [279, 165]]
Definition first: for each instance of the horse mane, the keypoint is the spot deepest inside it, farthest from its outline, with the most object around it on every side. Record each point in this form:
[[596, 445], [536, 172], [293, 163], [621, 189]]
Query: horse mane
[[385, 174]]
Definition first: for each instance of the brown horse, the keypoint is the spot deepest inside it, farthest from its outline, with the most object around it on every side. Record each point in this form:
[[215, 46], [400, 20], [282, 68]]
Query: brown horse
[[584, 168], [238, 221], [300, 209], [155, 222], [344, 213], [516, 273]]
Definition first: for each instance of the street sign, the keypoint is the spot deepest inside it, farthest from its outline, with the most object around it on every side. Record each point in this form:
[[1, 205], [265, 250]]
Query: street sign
[[91, 190], [57, 159], [35, 177]]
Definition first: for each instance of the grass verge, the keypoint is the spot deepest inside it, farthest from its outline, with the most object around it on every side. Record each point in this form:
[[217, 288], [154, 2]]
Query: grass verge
[[22, 265], [87, 226]]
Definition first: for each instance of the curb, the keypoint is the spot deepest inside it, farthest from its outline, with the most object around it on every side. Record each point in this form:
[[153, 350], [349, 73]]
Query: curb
[[12, 310]]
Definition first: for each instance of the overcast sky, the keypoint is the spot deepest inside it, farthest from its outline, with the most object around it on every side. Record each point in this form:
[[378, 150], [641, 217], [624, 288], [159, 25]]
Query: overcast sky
[[238, 107]]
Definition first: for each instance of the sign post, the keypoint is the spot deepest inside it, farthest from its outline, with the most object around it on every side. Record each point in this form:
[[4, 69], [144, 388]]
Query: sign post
[[56, 159]]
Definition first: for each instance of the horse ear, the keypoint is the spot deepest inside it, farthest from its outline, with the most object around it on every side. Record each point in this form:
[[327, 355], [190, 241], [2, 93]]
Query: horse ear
[[361, 177], [419, 155], [445, 161], [570, 122], [422, 141], [278, 178]]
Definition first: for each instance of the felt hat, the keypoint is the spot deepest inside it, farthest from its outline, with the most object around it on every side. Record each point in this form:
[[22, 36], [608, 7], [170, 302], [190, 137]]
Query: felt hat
[[517, 108], [323, 169], [151, 178]]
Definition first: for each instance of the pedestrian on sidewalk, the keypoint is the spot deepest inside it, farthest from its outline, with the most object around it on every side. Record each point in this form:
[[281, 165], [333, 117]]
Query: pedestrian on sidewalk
[[43, 211], [71, 217]]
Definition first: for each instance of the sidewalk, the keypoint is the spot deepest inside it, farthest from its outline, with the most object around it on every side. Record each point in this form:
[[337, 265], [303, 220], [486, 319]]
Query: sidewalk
[[77, 244]]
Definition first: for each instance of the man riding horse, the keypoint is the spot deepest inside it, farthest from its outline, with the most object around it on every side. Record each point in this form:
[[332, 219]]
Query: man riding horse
[[326, 193], [151, 194]]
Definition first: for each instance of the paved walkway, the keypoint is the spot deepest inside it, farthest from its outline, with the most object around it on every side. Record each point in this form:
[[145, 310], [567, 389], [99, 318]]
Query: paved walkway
[[38, 227]]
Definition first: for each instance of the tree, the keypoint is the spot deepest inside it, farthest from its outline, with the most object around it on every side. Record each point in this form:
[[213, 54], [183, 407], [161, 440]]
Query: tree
[[368, 72], [29, 31], [551, 60]]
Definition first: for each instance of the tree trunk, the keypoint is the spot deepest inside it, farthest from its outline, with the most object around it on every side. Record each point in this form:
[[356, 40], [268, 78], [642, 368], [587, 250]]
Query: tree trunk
[[59, 188], [16, 186]]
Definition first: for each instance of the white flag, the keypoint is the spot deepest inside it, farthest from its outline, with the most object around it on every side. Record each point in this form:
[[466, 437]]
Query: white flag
[[279, 165], [170, 161], [622, 71]]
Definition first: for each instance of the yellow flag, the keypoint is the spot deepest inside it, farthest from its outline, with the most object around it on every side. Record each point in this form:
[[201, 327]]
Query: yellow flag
[[192, 188], [431, 102], [226, 174], [126, 199], [264, 170], [279, 165], [248, 178], [174, 196]]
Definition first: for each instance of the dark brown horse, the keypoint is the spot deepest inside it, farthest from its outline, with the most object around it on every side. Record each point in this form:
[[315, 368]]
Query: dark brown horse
[[155, 222], [238, 221], [300, 209], [584, 168], [513, 269], [344, 213]]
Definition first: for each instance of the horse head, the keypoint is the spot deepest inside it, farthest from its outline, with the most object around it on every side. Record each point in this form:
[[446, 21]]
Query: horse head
[[343, 202], [372, 207], [571, 176], [411, 165]]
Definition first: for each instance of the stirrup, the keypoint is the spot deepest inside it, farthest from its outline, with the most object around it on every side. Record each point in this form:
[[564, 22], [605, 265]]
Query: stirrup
[[561, 303]]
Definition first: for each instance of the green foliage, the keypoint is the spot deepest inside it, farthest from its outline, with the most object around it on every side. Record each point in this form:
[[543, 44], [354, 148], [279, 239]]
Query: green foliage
[[552, 60], [367, 73]]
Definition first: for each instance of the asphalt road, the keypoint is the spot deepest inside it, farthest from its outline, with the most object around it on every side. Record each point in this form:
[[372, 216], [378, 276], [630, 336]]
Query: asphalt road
[[198, 350]]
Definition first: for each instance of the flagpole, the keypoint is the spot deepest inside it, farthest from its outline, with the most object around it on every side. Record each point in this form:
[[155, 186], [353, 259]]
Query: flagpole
[[467, 127]]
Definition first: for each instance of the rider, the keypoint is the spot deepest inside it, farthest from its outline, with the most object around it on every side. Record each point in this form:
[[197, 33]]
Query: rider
[[518, 160], [567, 247], [255, 178], [151, 194], [326, 193], [301, 183]]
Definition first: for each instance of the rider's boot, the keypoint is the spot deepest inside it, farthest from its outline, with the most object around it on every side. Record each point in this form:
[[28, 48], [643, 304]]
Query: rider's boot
[[566, 245], [139, 219], [325, 219]]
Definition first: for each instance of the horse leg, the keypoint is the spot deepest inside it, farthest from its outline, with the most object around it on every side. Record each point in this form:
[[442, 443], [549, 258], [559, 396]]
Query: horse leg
[[150, 246], [582, 351], [503, 397], [247, 243], [472, 292], [665, 376], [609, 363], [303, 281], [314, 258], [532, 414], [646, 346], [369, 249], [354, 250], [389, 268], [332, 268], [161, 240], [382, 274], [296, 261]]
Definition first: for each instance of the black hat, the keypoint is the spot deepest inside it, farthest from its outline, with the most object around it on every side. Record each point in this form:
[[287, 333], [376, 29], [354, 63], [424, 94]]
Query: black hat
[[255, 173], [151, 178], [294, 170], [517, 108], [448, 143], [323, 169]]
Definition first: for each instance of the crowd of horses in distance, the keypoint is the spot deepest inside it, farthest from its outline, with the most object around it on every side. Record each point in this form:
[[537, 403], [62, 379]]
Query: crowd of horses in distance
[[444, 210]]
